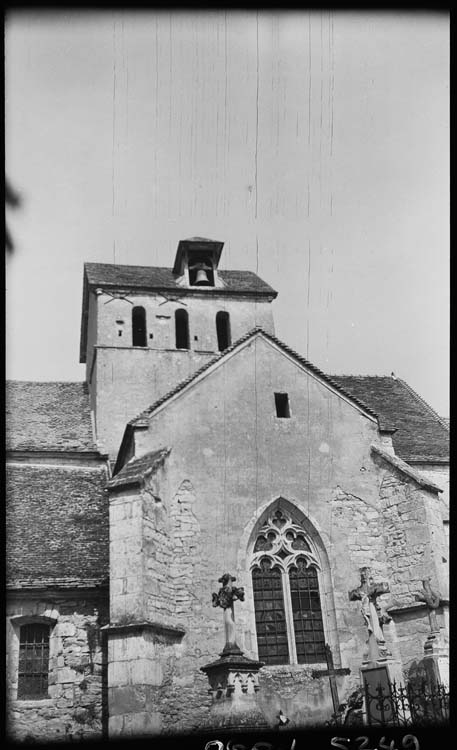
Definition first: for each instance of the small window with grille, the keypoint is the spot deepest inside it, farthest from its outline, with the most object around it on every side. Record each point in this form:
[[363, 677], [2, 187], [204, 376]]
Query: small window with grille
[[33, 662], [287, 603]]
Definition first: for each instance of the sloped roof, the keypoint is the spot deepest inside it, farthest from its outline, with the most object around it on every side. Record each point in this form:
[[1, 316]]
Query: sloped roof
[[137, 469], [421, 434], [48, 416], [57, 524], [154, 277], [402, 466]]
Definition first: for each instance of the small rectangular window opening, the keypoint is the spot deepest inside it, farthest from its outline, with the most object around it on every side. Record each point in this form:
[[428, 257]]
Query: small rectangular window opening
[[33, 662], [282, 405]]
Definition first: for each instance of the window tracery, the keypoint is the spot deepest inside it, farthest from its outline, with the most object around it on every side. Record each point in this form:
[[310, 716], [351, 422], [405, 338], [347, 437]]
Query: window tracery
[[287, 603]]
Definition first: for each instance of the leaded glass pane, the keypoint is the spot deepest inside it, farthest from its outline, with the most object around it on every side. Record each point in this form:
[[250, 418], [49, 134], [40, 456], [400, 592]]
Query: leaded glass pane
[[269, 614], [307, 614]]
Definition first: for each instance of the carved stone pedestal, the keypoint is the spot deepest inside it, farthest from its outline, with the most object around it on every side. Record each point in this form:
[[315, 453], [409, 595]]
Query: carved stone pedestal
[[436, 660], [234, 683], [378, 678]]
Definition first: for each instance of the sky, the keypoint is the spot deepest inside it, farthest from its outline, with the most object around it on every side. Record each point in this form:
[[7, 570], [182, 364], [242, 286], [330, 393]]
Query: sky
[[314, 145]]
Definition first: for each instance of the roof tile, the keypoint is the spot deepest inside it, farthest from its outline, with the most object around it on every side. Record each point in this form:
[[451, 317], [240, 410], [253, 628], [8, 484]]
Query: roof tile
[[137, 468], [421, 433], [154, 277], [48, 416], [57, 523]]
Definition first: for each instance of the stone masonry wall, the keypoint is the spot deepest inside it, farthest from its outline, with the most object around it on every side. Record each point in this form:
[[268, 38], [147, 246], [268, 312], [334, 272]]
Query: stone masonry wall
[[293, 690], [183, 699], [168, 694], [153, 683], [413, 537], [415, 546], [75, 707], [187, 563], [357, 534], [159, 595], [126, 562], [439, 474], [412, 629]]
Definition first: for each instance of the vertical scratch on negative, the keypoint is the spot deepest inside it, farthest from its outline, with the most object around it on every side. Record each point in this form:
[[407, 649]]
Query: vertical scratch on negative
[[308, 297], [257, 110], [156, 110], [127, 92], [309, 106], [332, 79], [309, 81], [114, 135], [320, 128], [332, 83], [226, 140]]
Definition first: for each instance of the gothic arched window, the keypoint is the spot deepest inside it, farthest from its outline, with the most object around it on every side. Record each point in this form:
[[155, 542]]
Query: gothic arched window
[[138, 326], [182, 329], [223, 330], [287, 603]]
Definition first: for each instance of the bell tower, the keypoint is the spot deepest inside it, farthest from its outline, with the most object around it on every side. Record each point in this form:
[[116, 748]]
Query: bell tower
[[146, 328]]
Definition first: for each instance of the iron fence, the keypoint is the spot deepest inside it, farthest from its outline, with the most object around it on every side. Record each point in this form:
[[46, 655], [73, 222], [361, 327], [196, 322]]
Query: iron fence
[[410, 705]]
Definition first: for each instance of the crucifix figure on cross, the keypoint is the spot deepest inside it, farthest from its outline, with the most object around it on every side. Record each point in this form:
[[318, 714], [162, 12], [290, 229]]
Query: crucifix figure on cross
[[367, 593], [224, 598], [432, 599]]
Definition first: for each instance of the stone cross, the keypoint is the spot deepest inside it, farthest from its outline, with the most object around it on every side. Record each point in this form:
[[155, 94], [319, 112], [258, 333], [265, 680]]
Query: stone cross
[[224, 598], [432, 600], [331, 673], [367, 593]]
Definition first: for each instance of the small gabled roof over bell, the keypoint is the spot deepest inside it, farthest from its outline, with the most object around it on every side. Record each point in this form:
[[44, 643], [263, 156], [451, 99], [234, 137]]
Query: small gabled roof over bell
[[197, 245]]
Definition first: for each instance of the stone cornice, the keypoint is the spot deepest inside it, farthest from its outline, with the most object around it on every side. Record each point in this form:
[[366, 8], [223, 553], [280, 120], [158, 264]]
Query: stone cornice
[[405, 469], [413, 607], [49, 585], [170, 632], [77, 458], [430, 460]]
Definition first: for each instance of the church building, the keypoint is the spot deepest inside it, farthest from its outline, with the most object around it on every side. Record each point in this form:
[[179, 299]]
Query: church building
[[201, 445]]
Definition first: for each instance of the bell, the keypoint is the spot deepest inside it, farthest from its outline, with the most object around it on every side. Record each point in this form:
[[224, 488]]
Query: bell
[[201, 277]]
